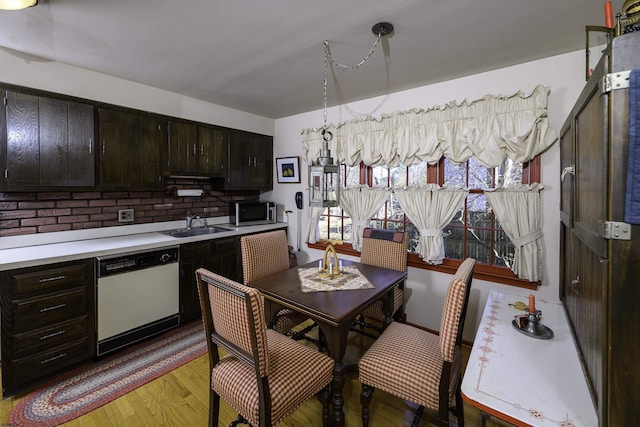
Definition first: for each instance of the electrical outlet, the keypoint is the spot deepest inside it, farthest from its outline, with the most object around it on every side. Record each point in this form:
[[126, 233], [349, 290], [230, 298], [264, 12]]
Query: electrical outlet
[[125, 215]]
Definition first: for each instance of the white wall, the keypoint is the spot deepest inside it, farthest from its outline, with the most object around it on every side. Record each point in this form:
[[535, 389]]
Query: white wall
[[29, 71], [563, 74]]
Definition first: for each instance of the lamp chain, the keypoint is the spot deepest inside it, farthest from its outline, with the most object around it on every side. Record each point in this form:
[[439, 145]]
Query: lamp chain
[[329, 59]]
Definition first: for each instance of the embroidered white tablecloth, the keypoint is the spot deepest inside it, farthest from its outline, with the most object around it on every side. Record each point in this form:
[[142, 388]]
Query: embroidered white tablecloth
[[351, 279]]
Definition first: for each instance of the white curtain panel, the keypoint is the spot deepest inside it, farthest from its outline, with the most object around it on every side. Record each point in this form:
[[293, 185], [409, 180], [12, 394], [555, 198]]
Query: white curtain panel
[[488, 129], [431, 209], [361, 204], [518, 210], [313, 215]]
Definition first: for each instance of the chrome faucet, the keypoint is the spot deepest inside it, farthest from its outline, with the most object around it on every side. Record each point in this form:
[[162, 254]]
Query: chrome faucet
[[191, 219], [202, 220]]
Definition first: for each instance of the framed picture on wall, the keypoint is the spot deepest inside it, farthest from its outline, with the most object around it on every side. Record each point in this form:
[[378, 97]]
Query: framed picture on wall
[[288, 169]]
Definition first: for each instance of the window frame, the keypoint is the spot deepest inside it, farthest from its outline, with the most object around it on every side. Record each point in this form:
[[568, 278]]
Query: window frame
[[496, 274]]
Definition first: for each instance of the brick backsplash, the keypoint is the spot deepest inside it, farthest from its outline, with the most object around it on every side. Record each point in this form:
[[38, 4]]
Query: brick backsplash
[[29, 213]]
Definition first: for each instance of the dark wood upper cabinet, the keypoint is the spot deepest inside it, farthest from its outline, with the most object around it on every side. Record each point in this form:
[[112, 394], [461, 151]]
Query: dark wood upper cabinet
[[130, 147], [195, 150], [49, 142], [182, 150], [52, 142], [214, 146], [250, 162]]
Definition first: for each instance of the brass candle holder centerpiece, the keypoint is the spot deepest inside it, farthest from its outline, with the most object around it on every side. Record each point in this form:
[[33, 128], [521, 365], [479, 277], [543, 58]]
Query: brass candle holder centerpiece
[[330, 266]]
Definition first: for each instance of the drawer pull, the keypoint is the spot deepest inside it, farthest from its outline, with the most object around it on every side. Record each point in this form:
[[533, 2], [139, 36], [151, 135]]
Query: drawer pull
[[575, 285], [54, 307], [54, 334], [51, 279], [51, 359]]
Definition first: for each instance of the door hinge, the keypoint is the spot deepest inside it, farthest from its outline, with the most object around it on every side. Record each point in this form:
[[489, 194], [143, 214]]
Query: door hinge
[[612, 81], [615, 230]]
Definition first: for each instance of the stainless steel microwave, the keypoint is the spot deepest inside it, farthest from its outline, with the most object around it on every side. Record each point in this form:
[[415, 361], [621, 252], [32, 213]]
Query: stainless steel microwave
[[252, 213]]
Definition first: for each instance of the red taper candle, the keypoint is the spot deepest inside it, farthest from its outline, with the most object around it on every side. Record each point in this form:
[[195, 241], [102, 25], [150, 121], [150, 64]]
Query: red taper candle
[[532, 303], [608, 14]]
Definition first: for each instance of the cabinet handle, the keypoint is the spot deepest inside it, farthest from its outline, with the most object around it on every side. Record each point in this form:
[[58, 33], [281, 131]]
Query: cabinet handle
[[51, 359], [90, 145], [202, 150], [54, 334], [249, 163], [51, 279], [255, 161], [569, 169], [194, 149], [53, 307], [103, 146], [575, 284]]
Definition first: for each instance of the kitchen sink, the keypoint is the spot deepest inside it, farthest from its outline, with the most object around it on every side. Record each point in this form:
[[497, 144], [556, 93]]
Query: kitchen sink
[[188, 232]]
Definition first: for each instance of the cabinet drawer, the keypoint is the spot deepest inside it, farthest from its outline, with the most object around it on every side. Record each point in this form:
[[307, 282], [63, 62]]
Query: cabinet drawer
[[49, 336], [228, 244], [31, 313], [39, 365], [49, 279]]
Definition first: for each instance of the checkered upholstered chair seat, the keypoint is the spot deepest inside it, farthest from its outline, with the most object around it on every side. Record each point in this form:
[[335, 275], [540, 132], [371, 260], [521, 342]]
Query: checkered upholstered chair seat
[[265, 375], [383, 248], [264, 254], [419, 366]]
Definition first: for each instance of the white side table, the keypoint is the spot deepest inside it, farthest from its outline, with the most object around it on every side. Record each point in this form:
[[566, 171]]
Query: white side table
[[525, 380]]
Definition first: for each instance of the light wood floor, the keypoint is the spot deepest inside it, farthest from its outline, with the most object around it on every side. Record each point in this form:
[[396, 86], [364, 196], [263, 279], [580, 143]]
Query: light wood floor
[[181, 398]]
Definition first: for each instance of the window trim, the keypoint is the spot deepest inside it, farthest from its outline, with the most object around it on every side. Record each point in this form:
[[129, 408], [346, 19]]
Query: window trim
[[448, 266], [495, 274]]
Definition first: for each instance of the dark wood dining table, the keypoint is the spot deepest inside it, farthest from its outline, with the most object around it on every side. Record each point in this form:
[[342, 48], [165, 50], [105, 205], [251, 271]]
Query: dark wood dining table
[[333, 311]]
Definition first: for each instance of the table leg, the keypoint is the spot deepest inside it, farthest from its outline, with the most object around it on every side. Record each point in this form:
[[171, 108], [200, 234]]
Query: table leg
[[336, 341]]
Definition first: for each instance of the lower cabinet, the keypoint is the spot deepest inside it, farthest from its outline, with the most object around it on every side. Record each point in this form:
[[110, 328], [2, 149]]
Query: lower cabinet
[[220, 256], [47, 322]]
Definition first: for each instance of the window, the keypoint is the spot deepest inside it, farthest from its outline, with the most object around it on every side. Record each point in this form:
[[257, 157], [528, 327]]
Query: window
[[474, 231]]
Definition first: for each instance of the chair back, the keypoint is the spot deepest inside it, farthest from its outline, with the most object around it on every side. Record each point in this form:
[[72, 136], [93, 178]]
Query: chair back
[[384, 248], [233, 316], [455, 309], [264, 254]]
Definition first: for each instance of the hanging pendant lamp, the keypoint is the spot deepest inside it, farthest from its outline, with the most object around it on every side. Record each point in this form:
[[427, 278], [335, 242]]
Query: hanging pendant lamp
[[324, 173]]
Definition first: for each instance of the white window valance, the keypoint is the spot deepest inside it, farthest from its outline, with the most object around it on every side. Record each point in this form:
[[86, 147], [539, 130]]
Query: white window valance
[[489, 130]]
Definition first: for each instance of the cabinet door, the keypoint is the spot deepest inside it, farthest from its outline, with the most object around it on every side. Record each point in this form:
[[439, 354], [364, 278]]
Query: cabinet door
[[240, 161], [23, 144], [66, 143], [226, 261], [213, 145], [153, 142], [192, 257], [120, 154], [130, 147], [262, 149], [588, 252], [81, 144], [109, 132], [250, 162], [183, 148], [49, 142]]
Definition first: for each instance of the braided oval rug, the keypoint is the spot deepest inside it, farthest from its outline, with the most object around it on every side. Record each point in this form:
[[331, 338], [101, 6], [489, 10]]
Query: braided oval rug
[[86, 388]]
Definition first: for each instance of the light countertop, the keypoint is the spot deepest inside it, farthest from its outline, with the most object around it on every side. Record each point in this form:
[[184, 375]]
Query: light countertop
[[48, 248]]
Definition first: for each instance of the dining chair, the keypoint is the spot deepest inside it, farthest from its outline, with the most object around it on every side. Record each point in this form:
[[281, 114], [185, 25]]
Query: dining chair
[[420, 366], [388, 249], [268, 253], [265, 375]]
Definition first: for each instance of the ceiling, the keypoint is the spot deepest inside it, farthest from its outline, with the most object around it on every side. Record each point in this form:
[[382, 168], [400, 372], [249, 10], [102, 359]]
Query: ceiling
[[266, 57]]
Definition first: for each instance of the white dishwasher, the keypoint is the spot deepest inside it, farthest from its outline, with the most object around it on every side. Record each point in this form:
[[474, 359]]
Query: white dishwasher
[[137, 296]]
